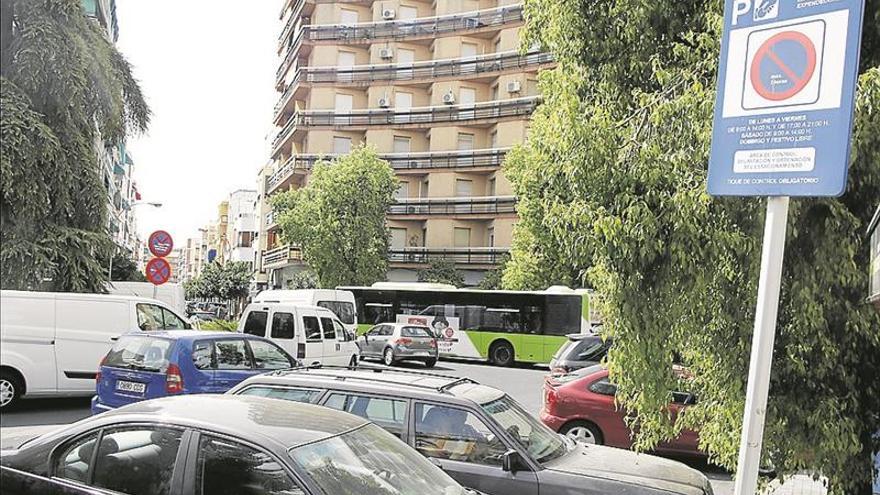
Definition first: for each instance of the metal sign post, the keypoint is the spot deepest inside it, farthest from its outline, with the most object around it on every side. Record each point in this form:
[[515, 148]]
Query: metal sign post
[[769, 283], [783, 118]]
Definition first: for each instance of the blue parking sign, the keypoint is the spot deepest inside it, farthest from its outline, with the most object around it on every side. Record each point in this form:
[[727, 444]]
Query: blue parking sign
[[784, 106]]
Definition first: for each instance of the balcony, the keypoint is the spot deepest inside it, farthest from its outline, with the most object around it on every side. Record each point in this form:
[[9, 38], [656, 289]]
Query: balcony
[[485, 256], [282, 256], [293, 166], [492, 64], [427, 28], [423, 117], [474, 206]]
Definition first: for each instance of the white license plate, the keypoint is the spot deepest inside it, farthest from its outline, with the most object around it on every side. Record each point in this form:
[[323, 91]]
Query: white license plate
[[420, 353], [135, 387]]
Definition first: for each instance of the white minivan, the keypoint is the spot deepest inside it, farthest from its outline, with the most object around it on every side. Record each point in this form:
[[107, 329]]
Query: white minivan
[[53, 342], [340, 302], [310, 333]]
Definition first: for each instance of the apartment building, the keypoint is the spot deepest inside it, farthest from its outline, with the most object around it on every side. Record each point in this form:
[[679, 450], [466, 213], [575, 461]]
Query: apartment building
[[241, 228], [439, 87]]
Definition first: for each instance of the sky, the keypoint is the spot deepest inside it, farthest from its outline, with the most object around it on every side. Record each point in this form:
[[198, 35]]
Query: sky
[[207, 69]]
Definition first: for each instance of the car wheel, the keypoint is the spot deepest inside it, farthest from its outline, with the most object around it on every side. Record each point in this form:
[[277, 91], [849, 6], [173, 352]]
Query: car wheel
[[582, 431], [430, 363], [501, 354], [10, 389], [353, 362], [388, 357]]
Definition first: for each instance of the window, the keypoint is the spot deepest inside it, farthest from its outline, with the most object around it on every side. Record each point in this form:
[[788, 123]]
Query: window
[[464, 187], [268, 356], [149, 317], [343, 103], [465, 141], [469, 50], [402, 144], [348, 17], [493, 139], [386, 331], [203, 355], [462, 237], [494, 92], [341, 145], [387, 413], [172, 322], [147, 353], [401, 191], [415, 332], [329, 331], [455, 434], [313, 328], [225, 467], [291, 394], [255, 324], [603, 387], [347, 336], [345, 59], [398, 237], [283, 326], [343, 310], [492, 184], [406, 12], [491, 235], [232, 355], [75, 460], [137, 461], [403, 100]]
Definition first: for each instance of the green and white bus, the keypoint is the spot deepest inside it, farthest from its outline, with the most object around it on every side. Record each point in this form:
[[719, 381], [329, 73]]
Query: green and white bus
[[499, 326]]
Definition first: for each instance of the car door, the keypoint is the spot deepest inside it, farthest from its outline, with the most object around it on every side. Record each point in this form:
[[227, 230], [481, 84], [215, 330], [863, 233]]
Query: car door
[[234, 363], [389, 413], [201, 379], [313, 339], [84, 333], [367, 341], [470, 451], [332, 349], [283, 331]]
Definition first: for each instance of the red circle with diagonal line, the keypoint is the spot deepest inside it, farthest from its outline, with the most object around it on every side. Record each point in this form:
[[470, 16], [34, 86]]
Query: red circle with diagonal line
[[796, 81], [158, 271], [160, 243]]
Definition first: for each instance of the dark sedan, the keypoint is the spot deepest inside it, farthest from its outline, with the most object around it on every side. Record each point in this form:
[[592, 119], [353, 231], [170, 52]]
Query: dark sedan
[[581, 350], [225, 445]]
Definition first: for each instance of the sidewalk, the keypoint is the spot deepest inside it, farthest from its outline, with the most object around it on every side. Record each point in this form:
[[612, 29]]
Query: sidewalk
[[800, 484]]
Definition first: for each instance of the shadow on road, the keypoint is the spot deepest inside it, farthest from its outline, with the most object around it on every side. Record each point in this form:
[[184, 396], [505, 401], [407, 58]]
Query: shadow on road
[[35, 412]]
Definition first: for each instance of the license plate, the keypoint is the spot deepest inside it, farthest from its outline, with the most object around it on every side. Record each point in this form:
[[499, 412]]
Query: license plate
[[135, 387], [421, 353]]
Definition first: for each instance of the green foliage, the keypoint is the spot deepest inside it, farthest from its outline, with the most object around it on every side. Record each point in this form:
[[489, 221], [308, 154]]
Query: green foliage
[[305, 279], [64, 92], [442, 271], [339, 218], [219, 325], [216, 281], [124, 268], [493, 278], [612, 188]]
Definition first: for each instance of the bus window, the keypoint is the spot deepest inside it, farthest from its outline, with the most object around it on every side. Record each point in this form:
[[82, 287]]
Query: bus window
[[376, 313], [563, 316]]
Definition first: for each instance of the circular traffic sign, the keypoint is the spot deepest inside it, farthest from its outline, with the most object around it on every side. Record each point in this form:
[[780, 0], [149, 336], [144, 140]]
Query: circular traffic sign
[[160, 243], [783, 65], [158, 271]]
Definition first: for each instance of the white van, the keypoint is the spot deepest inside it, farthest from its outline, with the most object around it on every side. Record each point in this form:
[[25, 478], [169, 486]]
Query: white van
[[340, 302], [51, 343], [311, 333], [171, 294]]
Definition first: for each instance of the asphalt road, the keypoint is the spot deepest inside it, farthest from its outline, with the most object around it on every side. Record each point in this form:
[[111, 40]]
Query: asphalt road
[[523, 383]]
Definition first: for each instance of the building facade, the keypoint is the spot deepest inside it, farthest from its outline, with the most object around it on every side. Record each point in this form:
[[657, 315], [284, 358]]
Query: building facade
[[440, 88], [241, 227]]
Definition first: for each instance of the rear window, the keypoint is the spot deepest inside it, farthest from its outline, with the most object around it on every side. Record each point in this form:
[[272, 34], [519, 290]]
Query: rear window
[[415, 332], [588, 349], [343, 310], [135, 352]]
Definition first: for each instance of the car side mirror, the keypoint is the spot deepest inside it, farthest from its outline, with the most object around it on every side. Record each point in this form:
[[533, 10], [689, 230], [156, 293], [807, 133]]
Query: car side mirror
[[512, 462]]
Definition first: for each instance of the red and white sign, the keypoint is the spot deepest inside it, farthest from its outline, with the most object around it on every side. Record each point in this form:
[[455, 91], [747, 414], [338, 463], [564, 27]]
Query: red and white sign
[[158, 271], [160, 243]]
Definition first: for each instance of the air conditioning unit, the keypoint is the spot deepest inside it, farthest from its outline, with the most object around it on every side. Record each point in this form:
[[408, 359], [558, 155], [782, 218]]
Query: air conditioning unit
[[386, 53], [514, 86], [388, 14], [384, 102], [449, 98], [413, 164]]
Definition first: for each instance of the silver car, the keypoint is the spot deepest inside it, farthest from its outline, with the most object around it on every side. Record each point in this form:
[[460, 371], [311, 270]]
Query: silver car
[[393, 342]]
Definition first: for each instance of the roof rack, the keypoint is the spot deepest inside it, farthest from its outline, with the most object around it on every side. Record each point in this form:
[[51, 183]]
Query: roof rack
[[454, 380]]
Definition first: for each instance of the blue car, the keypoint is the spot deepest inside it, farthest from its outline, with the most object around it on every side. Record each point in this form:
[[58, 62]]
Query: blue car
[[143, 366]]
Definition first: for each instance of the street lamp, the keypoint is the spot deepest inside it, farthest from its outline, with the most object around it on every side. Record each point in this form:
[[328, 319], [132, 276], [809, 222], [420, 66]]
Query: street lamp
[[151, 203]]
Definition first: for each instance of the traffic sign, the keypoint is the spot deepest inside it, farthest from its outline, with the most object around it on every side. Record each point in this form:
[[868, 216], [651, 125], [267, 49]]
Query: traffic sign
[[158, 271], [784, 107], [160, 243]]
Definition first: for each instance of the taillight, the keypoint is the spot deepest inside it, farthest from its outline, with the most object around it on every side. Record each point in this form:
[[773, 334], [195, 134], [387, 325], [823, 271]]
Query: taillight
[[403, 341], [98, 374], [551, 398], [173, 380], [559, 370]]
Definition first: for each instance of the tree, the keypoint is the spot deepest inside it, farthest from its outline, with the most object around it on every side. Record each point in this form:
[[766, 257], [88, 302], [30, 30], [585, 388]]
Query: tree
[[227, 282], [125, 269], [339, 218], [493, 278], [612, 188], [305, 279], [442, 271], [65, 92]]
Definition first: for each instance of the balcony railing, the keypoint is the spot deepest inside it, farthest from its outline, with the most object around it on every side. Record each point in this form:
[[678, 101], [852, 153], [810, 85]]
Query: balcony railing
[[473, 205], [427, 70], [281, 256], [411, 117], [290, 166], [425, 27], [461, 256]]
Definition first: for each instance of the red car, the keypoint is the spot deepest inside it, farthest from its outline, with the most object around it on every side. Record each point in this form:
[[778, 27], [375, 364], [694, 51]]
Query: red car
[[581, 406]]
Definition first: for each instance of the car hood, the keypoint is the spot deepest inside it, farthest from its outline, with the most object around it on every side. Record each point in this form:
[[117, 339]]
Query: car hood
[[629, 467], [15, 437]]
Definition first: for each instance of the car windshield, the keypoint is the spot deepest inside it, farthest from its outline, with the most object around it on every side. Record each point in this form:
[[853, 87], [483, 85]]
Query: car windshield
[[144, 353], [542, 443], [369, 460]]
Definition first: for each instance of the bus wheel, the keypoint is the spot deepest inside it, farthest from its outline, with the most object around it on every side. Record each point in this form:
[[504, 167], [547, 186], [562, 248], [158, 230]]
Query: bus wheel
[[501, 353]]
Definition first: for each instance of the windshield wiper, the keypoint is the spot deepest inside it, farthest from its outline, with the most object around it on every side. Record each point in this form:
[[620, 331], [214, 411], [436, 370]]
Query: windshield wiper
[[139, 367]]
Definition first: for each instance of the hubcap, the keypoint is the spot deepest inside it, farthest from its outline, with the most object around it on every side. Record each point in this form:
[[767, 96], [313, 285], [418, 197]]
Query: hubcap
[[7, 392], [389, 357], [502, 355], [581, 434]]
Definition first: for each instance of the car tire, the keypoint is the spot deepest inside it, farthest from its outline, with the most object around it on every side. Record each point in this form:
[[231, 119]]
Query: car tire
[[388, 357], [11, 389], [430, 363], [583, 431], [501, 354]]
